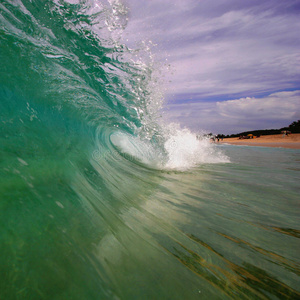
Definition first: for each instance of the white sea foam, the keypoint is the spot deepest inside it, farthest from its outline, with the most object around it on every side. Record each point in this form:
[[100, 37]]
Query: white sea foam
[[185, 150]]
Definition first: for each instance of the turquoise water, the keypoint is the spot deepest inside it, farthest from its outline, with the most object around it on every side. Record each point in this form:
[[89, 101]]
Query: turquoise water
[[98, 200]]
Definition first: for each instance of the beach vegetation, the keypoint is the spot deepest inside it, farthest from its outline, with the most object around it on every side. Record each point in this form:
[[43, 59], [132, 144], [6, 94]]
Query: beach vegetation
[[293, 128]]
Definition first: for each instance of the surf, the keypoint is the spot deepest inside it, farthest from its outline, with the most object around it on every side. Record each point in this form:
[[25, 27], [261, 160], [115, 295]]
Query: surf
[[101, 198]]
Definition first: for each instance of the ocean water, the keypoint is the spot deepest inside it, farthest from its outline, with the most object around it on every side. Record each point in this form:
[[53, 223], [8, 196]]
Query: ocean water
[[100, 199]]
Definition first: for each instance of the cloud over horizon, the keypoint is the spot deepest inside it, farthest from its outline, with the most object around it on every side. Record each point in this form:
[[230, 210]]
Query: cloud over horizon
[[232, 116]]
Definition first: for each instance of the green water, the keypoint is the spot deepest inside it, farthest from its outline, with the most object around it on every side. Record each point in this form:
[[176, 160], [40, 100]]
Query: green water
[[99, 201]]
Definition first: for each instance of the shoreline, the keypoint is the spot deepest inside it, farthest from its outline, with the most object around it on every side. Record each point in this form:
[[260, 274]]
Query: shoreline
[[291, 141]]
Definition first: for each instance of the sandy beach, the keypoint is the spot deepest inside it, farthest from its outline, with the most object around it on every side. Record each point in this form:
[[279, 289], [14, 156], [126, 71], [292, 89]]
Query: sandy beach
[[278, 140]]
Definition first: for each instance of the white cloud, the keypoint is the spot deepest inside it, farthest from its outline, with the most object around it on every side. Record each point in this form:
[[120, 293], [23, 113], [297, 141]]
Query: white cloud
[[239, 48], [233, 116], [282, 105]]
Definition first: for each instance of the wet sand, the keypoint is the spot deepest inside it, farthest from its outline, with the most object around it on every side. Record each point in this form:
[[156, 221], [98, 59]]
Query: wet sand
[[277, 140]]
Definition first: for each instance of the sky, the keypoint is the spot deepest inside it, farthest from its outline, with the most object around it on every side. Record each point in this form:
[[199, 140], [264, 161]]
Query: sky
[[234, 65]]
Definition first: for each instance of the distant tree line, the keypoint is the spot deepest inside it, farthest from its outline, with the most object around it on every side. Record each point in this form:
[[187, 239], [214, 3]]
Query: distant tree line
[[293, 128]]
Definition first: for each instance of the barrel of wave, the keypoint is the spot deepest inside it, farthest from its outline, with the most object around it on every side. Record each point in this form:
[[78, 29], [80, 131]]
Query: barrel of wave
[[180, 150]]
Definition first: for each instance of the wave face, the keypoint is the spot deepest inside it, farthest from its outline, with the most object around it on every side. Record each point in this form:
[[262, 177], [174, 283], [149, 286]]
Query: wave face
[[88, 171]]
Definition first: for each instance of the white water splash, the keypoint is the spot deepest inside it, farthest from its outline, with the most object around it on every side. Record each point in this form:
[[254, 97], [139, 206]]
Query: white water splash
[[185, 150]]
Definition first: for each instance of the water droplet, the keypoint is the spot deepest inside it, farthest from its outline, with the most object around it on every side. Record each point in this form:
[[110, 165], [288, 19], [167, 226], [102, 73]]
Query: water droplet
[[59, 204]]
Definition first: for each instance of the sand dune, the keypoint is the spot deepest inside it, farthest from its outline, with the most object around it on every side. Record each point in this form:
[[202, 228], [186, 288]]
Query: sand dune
[[276, 140]]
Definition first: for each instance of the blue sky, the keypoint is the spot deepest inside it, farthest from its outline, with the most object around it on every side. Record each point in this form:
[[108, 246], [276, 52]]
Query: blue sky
[[234, 65]]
